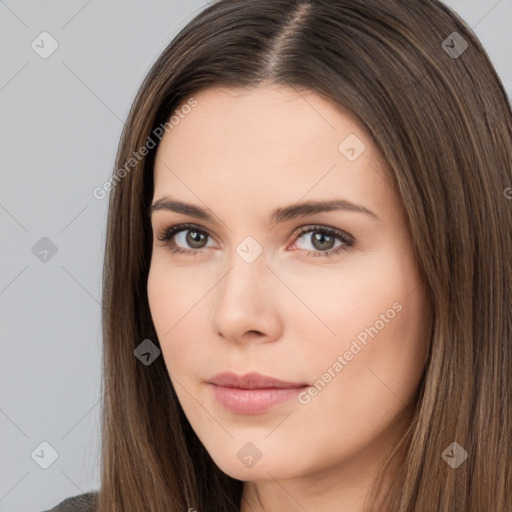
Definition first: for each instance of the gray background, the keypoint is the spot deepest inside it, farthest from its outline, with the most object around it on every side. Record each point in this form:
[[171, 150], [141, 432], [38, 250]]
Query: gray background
[[61, 119]]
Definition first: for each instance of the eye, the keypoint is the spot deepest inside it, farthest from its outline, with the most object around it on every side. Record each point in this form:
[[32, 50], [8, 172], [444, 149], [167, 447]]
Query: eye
[[323, 241], [193, 236]]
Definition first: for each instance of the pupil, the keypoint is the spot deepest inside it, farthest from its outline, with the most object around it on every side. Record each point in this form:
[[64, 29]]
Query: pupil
[[192, 240], [321, 237]]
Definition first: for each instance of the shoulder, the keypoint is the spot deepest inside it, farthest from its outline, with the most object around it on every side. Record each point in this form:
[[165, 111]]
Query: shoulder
[[82, 503]]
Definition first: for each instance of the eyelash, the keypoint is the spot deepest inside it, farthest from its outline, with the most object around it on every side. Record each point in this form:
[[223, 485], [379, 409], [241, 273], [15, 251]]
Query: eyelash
[[167, 234]]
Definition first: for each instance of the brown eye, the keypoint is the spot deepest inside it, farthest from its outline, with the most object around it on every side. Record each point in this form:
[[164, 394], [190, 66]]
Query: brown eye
[[195, 238], [184, 238], [323, 240]]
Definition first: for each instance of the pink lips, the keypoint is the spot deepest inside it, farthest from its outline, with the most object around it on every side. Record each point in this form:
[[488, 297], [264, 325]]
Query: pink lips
[[252, 393]]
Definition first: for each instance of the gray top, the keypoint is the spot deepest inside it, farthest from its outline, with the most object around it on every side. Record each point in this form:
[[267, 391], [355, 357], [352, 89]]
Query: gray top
[[82, 503]]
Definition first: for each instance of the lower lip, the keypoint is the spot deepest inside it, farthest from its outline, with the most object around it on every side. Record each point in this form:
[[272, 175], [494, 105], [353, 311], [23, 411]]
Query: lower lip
[[252, 401]]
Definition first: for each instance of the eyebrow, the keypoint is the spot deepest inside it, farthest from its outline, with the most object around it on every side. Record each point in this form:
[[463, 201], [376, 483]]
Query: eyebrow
[[278, 216]]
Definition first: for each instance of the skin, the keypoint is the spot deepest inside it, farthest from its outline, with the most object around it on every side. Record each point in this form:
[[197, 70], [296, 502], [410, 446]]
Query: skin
[[240, 154]]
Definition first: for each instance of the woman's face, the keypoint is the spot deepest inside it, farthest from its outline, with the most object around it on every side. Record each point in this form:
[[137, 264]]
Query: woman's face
[[340, 314]]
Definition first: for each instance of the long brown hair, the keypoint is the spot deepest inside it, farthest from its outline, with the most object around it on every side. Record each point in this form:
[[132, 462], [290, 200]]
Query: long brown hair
[[417, 78]]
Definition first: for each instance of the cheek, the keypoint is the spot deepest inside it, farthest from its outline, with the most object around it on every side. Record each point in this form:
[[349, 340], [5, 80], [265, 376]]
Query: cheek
[[166, 302], [161, 301], [399, 352], [359, 399], [365, 296], [375, 353], [171, 294], [175, 297]]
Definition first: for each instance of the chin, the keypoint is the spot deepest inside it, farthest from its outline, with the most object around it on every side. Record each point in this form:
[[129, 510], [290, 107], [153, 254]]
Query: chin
[[248, 465]]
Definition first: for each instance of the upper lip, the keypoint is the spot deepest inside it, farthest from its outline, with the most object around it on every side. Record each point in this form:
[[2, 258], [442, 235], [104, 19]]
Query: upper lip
[[252, 380]]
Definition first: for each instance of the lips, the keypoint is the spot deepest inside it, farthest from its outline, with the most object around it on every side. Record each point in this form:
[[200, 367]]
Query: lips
[[252, 393], [253, 380]]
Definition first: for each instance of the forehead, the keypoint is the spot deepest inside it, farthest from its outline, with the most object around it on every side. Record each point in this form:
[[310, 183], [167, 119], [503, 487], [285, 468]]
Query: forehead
[[275, 142], [266, 113]]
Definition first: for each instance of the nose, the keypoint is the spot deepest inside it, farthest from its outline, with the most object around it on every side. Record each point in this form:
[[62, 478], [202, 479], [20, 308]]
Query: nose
[[247, 306]]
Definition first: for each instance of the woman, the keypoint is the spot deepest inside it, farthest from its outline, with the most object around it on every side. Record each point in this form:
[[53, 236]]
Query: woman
[[307, 275]]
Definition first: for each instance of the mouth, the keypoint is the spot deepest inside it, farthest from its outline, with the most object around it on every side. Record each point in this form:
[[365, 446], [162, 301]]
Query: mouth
[[253, 380], [252, 393]]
